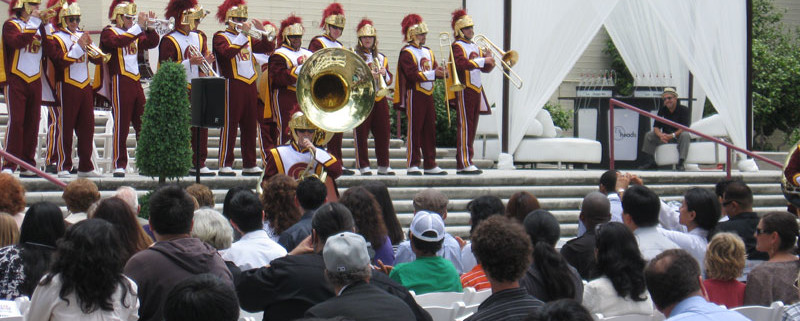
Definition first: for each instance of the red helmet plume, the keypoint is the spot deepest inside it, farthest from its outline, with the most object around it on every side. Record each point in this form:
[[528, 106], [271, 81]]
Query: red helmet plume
[[410, 20], [332, 9], [288, 22], [363, 23], [267, 22], [114, 5], [222, 10], [176, 7], [50, 3], [11, 6], [456, 15]]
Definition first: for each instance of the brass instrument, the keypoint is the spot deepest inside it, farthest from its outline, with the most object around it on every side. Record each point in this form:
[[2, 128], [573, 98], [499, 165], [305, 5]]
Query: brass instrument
[[269, 31], [51, 11], [445, 41], [507, 59], [790, 191], [161, 26], [205, 66], [93, 50], [381, 89]]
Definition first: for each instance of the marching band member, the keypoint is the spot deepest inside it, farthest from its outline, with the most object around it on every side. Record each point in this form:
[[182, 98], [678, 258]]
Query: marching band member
[[175, 46], [470, 61], [23, 37], [284, 66], [416, 71], [293, 158], [378, 120], [332, 23], [123, 39], [234, 49], [267, 128], [75, 95], [791, 179], [49, 99]]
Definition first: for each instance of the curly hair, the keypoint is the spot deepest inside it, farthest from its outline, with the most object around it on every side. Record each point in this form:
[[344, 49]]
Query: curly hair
[[381, 193], [201, 193], [278, 199], [12, 194], [118, 213], [520, 204], [725, 257], [502, 247], [619, 259], [89, 260], [80, 194], [367, 214], [481, 208]]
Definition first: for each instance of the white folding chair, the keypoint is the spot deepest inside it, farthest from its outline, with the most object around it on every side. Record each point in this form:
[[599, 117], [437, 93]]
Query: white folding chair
[[447, 313], [472, 297], [248, 316], [439, 299], [760, 313], [626, 317]]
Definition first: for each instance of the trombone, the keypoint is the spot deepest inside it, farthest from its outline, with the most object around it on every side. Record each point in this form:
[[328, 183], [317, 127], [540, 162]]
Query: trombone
[[507, 58], [205, 66], [445, 41]]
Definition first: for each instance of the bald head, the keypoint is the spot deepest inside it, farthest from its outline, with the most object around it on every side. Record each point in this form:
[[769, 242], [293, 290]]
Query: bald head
[[595, 209]]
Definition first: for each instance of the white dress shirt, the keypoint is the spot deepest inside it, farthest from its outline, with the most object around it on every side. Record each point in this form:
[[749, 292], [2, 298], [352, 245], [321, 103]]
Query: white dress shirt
[[651, 242], [694, 242], [255, 249], [599, 296]]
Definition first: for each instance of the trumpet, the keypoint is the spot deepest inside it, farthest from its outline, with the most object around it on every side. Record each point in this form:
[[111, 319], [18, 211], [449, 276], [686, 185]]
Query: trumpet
[[52, 11], [205, 66], [161, 26], [91, 49], [507, 58], [268, 33]]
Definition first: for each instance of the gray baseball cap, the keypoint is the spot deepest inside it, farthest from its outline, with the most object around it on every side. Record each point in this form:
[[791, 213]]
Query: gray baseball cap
[[345, 252]]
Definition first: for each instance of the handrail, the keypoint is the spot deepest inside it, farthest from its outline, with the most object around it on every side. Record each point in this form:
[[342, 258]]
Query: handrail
[[613, 102], [27, 166]]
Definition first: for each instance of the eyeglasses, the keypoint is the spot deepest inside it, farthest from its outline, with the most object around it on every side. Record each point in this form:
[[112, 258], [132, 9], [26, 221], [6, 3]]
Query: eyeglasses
[[304, 131], [238, 19], [74, 19]]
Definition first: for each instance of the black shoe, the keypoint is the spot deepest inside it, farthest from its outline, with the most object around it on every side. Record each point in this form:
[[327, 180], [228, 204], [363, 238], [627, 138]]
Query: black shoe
[[74, 170], [51, 169], [649, 164], [389, 173], [680, 166], [348, 172], [117, 174], [470, 172]]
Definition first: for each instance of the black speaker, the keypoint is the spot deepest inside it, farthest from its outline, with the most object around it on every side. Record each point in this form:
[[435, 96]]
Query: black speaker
[[208, 102]]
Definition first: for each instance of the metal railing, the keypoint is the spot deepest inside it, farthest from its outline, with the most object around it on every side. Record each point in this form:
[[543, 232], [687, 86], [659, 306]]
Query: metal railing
[[21, 163], [616, 103]]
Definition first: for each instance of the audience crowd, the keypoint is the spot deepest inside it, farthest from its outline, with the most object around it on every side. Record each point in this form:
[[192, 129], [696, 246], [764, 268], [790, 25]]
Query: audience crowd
[[291, 254]]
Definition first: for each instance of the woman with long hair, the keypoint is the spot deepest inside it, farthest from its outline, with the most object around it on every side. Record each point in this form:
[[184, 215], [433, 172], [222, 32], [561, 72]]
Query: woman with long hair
[[24, 263], [699, 212], [118, 213], [776, 234], [520, 204], [549, 277], [393, 227], [85, 281], [9, 230], [620, 289], [369, 222], [280, 210]]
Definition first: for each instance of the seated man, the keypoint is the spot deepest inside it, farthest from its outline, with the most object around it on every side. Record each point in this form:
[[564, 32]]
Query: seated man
[[429, 272], [347, 268], [737, 203], [579, 252], [202, 297], [640, 209], [310, 195], [255, 248], [431, 200], [663, 133]]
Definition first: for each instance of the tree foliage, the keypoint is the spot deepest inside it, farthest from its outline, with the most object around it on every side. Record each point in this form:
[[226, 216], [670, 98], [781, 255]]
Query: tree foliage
[[164, 148], [623, 83], [445, 134]]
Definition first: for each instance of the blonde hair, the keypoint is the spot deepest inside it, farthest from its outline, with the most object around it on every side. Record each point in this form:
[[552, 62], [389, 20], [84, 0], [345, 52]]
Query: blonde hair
[[725, 257], [9, 231]]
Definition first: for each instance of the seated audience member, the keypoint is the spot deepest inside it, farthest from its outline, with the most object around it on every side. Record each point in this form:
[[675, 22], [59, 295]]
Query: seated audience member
[[431, 200], [226, 205], [502, 247], [663, 133], [311, 194], [12, 197], [255, 248], [520, 204], [776, 235], [22, 265], [673, 280], [579, 252], [561, 310], [737, 203], [479, 209], [130, 196], [212, 228], [381, 193], [85, 281], [9, 231], [133, 237], [369, 222], [202, 194], [608, 187], [700, 213], [792, 312], [78, 196], [719, 190], [175, 256], [429, 272], [278, 198], [640, 208], [201, 297], [348, 270], [549, 277], [620, 287], [724, 262], [292, 284]]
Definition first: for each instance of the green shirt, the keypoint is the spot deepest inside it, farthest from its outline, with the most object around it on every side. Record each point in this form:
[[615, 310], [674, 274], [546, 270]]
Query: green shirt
[[427, 274]]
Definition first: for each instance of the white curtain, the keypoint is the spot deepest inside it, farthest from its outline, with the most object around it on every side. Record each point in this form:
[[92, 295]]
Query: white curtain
[[488, 18], [550, 37], [648, 52], [710, 36]]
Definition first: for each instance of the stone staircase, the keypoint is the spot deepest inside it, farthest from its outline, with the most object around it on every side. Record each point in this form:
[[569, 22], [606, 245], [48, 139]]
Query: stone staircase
[[559, 191]]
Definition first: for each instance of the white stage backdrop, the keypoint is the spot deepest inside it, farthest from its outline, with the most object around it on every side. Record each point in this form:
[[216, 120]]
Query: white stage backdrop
[[488, 18]]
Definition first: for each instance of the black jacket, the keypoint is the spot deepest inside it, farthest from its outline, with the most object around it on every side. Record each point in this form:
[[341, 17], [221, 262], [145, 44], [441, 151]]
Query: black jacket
[[744, 225], [363, 302]]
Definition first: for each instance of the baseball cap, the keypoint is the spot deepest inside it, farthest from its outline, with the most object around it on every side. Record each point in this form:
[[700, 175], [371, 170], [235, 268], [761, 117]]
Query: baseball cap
[[345, 252], [425, 221]]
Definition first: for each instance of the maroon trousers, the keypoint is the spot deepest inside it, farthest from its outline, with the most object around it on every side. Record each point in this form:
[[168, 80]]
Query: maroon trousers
[[127, 106], [268, 134], [77, 114], [378, 123], [240, 113], [421, 132], [24, 102], [286, 100], [53, 135], [468, 105], [335, 146]]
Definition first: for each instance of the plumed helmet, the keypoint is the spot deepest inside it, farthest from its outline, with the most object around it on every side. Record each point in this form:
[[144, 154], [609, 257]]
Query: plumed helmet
[[413, 25], [366, 29], [291, 26], [460, 21], [70, 9], [185, 12], [300, 121], [20, 4], [333, 15], [121, 8], [230, 9]]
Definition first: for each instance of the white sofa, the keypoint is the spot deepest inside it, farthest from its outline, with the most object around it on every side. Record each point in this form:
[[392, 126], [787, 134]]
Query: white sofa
[[700, 152]]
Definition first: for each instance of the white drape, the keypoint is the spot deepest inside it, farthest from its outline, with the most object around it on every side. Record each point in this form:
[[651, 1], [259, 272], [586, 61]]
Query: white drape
[[550, 37], [488, 18], [710, 36]]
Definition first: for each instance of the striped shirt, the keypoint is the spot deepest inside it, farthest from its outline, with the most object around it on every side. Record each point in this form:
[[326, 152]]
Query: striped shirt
[[508, 305], [475, 278]]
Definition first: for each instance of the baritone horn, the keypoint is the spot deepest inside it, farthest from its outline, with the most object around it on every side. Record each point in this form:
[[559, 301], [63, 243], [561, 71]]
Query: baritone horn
[[507, 58], [449, 64]]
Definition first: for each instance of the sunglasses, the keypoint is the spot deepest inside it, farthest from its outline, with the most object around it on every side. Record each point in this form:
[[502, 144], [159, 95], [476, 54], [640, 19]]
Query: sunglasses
[[74, 19], [304, 131]]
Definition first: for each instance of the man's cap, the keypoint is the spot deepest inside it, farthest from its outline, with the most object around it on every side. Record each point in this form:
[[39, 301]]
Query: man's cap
[[425, 221], [430, 200], [670, 91], [345, 252]]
